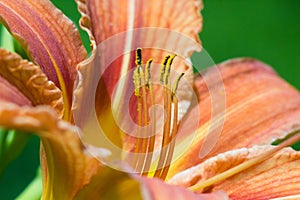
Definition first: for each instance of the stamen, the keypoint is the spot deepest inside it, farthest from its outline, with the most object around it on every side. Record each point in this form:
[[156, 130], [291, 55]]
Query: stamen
[[153, 121], [166, 155], [137, 91], [167, 107], [171, 146], [143, 140], [143, 88]]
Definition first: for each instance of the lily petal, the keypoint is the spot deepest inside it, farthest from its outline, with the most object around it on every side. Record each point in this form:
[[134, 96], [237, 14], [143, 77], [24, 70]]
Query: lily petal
[[67, 162], [276, 177], [85, 91], [160, 27], [49, 38], [9, 93], [119, 18], [118, 28], [260, 108], [26, 80]]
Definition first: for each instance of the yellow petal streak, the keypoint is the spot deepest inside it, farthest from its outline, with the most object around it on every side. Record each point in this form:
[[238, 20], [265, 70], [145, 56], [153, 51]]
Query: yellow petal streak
[[49, 38], [245, 165]]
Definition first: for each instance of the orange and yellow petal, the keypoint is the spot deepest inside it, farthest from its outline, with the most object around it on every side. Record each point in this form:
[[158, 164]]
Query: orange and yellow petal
[[29, 81], [10, 93], [67, 168], [159, 27], [278, 176], [69, 171], [260, 107], [50, 39]]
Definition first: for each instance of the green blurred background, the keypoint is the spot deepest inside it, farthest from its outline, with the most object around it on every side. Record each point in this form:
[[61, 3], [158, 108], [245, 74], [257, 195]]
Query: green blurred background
[[268, 30]]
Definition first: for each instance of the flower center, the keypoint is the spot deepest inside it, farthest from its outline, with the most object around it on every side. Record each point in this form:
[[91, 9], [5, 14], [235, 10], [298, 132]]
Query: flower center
[[145, 100]]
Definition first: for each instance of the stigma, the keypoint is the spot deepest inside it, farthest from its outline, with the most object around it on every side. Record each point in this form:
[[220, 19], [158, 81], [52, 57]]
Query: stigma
[[143, 162]]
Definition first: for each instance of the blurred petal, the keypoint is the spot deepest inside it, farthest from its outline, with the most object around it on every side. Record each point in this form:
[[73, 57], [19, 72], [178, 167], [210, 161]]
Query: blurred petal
[[260, 108], [278, 176], [26, 80], [111, 184], [68, 168], [9, 93], [157, 190], [49, 38], [120, 185]]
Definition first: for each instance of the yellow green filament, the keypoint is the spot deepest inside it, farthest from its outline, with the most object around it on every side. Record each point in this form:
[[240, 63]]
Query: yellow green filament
[[145, 141]]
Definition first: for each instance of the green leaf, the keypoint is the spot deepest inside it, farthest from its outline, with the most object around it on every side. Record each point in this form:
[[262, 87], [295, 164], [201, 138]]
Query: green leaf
[[6, 40], [12, 142], [34, 189]]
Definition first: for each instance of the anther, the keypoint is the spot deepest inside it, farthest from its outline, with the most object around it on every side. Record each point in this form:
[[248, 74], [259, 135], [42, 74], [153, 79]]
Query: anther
[[147, 73], [175, 87], [168, 69], [137, 82], [138, 60], [163, 68]]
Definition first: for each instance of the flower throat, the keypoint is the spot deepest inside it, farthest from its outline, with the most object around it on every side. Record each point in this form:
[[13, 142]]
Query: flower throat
[[144, 148]]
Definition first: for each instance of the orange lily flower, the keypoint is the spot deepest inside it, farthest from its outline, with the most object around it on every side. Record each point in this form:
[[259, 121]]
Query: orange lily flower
[[243, 103]]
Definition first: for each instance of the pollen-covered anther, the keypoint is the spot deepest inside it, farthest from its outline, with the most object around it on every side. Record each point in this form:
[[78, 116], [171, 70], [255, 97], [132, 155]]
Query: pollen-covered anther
[[175, 87], [148, 74], [136, 82], [142, 161]]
